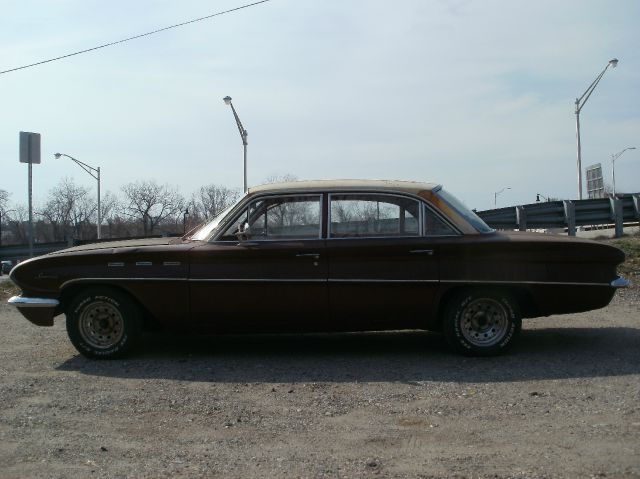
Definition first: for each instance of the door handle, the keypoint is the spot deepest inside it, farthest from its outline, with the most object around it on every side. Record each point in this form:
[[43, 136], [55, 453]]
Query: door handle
[[248, 244], [422, 251], [308, 255]]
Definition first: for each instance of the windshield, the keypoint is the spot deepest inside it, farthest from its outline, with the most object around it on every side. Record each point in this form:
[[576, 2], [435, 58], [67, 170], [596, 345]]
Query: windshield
[[465, 212], [208, 228]]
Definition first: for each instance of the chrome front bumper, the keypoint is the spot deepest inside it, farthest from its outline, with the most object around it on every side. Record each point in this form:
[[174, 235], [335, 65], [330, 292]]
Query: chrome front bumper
[[22, 302], [620, 282], [40, 311]]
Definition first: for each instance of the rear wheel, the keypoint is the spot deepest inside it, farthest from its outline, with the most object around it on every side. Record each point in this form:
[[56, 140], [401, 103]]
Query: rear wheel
[[103, 323], [481, 322]]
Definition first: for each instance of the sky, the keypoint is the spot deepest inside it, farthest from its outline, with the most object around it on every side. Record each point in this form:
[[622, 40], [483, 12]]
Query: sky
[[476, 95]]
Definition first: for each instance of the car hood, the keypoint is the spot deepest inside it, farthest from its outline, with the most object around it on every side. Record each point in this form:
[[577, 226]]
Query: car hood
[[133, 243]]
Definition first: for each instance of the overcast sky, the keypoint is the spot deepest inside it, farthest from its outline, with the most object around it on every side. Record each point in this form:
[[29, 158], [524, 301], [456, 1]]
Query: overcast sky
[[477, 95]]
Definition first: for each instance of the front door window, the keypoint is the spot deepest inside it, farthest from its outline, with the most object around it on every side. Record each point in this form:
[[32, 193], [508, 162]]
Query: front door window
[[280, 218]]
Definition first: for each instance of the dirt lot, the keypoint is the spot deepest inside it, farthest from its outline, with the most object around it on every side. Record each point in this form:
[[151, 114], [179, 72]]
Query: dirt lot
[[564, 403]]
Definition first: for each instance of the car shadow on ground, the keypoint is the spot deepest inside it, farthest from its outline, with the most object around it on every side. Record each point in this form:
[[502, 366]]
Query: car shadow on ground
[[407, 356]]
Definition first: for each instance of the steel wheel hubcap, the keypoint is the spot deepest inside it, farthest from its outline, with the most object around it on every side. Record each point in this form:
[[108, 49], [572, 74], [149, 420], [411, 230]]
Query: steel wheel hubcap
[[484, 322], [101, 325]]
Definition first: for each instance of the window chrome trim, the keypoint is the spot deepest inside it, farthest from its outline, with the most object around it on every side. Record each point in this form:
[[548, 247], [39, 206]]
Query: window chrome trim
[[243, 205], [417, 199], [439, 215]]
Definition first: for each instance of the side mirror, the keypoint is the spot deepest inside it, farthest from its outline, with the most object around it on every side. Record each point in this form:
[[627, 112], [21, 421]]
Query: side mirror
[[244, 232]]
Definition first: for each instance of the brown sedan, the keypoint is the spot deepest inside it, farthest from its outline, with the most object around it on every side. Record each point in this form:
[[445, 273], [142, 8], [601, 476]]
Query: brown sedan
[[322, 256]]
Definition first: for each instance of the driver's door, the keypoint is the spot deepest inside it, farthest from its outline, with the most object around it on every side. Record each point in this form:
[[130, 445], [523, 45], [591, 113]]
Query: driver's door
[[275, 277]]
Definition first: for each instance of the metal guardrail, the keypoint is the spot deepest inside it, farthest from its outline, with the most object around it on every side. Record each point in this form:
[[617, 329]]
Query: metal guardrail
[[567, 214]]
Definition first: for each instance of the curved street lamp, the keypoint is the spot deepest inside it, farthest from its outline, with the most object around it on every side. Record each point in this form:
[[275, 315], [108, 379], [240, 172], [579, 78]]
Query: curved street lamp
[[243, 135], [613, 166], [579, 104], [497, 193], [95, 173]]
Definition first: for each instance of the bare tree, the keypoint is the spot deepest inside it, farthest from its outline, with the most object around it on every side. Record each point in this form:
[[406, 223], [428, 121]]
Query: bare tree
[[68, 210], [209, 201], [4, 200], [17, 225], [151, 204]]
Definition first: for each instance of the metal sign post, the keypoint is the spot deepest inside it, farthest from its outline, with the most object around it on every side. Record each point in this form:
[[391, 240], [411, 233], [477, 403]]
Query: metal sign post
[[30, 153]]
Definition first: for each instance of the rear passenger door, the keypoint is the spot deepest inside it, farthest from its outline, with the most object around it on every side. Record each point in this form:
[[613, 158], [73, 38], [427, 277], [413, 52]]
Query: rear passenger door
[[383, 272]]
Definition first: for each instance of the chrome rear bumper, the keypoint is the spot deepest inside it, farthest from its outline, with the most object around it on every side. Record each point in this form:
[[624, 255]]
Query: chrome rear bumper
[[620, 282]]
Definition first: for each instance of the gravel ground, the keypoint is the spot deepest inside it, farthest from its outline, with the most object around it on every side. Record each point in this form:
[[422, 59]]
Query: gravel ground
[[563, 403]]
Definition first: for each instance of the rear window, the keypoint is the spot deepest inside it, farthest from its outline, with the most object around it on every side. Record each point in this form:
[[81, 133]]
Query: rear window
[[465, 212]]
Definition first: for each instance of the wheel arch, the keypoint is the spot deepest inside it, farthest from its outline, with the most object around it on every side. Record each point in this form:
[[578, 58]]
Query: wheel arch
[[521, 295], [72, 290]]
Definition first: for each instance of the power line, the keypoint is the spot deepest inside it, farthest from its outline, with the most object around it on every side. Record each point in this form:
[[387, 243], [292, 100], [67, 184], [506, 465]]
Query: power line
[[136, 36]]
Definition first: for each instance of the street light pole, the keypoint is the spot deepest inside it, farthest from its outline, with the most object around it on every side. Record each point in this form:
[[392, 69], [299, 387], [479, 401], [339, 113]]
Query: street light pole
[[613, 166], [579, 104], [243, 135], [495, 195], [95, 173]]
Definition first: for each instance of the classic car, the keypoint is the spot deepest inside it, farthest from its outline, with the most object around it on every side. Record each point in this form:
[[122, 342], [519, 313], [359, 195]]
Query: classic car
[[311, 256], [5, 266]]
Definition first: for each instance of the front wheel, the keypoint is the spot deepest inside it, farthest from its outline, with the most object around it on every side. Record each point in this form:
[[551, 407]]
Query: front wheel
[[103, 323], [481, 322]]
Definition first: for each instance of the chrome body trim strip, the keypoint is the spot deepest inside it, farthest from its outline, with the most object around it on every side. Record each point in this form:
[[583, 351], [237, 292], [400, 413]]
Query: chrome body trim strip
[[617, 283], [620, 282], [144, 263], [109, 280], [171, 263], [116, 264], [550, 283], [257, 280], [383, 281], [25, 302]]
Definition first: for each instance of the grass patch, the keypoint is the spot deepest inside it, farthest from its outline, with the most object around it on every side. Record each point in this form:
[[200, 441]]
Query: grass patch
[[7, 289], [631, 247]]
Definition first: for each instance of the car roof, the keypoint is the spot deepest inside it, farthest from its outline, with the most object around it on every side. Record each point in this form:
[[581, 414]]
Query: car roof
[[413, 187]]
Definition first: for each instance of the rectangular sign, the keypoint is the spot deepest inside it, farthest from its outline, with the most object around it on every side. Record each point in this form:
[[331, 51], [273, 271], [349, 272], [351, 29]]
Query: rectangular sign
[[595, 182], [29, 147]]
